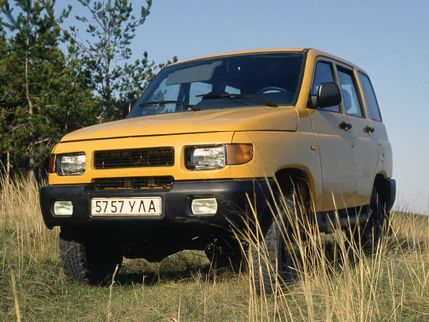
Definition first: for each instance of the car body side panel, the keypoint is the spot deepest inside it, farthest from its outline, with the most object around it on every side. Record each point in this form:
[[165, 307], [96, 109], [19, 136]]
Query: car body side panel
[[366, 160], [274, 151], [384, 149], [338, 160]]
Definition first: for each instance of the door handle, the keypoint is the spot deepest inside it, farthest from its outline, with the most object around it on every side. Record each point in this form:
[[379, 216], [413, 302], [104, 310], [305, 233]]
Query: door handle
[[345, 126], [368, 129]]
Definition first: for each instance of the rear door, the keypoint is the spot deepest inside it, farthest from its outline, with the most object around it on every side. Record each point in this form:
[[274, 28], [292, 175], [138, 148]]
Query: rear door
[[336, 145], [376, 127]]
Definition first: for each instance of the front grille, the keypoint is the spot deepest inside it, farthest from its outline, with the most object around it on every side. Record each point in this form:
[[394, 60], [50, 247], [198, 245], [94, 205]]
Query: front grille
[[146, 183], [134, 158]]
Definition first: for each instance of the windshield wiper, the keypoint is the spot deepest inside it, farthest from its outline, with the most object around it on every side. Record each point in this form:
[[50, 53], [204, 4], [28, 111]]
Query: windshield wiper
[[212, 95], [192, 107]]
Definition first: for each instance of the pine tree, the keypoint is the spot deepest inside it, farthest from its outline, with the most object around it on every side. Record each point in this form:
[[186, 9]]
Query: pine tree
[[4, 108], [111, 26], [41, 90], [45, 93]]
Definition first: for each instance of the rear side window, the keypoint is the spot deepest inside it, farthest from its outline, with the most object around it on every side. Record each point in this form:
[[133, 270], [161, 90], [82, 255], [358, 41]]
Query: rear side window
[[323, 74], [349, 93], [370, 98]]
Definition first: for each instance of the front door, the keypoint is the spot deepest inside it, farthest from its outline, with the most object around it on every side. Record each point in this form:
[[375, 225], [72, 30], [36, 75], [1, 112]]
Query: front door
[[336, 147]]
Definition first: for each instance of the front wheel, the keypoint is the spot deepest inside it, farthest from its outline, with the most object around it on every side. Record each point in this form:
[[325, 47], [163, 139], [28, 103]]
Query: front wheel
[[278, 256], [87, 262]]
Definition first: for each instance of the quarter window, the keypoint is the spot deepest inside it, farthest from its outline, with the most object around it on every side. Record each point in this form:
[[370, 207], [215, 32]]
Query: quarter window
[[370, 98], [351, 102], [323, 74]]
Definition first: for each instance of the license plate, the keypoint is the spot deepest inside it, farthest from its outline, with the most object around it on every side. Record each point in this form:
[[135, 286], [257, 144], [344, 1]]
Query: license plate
[[144, 206]]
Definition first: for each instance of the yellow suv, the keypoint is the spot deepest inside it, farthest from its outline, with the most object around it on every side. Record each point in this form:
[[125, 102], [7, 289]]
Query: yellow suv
[[209, 142]]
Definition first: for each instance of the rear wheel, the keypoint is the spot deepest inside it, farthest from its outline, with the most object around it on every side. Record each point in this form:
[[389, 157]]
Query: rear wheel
[[87, 262], [372, 232]]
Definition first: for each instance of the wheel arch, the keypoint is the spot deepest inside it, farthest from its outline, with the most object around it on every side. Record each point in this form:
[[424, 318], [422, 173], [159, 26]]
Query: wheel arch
[[287, 177]]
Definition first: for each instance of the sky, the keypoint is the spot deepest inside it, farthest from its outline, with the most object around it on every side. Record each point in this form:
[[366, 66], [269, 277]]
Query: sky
[[387, 38]]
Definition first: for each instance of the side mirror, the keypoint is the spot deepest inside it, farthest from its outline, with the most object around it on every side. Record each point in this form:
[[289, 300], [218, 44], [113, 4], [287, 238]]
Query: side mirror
[[328, 95]]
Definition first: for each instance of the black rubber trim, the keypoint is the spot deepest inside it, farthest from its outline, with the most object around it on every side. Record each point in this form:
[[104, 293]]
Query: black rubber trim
[[230, 194]]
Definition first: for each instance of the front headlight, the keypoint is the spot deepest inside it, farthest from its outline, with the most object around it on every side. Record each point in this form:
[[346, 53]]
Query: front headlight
[[206, 158], [70, 164], [218, 156]]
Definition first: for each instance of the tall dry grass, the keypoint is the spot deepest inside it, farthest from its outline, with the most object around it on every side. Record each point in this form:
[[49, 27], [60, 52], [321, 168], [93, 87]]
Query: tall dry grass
[[23, 235], [337, 282]]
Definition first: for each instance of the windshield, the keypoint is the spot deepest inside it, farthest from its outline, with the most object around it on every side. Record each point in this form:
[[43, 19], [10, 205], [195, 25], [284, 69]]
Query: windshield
[[268, 79]]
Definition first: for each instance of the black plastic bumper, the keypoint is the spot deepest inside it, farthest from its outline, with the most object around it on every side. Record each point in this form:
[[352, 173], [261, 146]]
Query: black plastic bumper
[[176, 203], [391, 195]]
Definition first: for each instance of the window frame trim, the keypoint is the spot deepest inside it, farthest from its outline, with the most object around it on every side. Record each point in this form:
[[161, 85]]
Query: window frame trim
[[359, 71], [293, 103], [356, 83]]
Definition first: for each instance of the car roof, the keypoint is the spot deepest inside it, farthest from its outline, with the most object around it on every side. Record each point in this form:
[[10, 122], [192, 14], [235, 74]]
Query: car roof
[[318, 53], [242, 52], [313, 51]]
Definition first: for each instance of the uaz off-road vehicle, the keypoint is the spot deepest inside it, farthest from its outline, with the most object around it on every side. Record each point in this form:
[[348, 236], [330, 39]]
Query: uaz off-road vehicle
[[207, 139]]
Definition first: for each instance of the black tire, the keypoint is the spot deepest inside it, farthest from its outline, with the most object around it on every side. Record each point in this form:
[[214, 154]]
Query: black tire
[[372, 232], [278, 257], [88, 263]]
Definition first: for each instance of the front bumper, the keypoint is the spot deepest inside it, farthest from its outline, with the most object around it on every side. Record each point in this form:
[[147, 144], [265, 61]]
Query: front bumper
[[176, 203]]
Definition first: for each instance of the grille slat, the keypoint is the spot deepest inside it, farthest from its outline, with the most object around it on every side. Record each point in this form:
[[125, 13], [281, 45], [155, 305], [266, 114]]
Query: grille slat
[[134, 158], [146, 183]]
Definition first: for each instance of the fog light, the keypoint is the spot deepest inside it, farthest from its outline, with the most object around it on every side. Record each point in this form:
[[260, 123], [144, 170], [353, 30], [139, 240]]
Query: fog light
[[63, 208], [204, 206]]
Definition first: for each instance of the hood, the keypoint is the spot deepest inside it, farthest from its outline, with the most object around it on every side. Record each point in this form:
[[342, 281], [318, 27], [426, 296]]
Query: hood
[[214, 120]]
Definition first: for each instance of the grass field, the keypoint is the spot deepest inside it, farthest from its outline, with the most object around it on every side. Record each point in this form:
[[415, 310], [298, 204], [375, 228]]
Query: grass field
[[392, 285]]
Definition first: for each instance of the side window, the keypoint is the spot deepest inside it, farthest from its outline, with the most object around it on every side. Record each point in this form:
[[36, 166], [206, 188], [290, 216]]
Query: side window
[[370, 98], [323, 74], [198, 88], [349, 93]]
